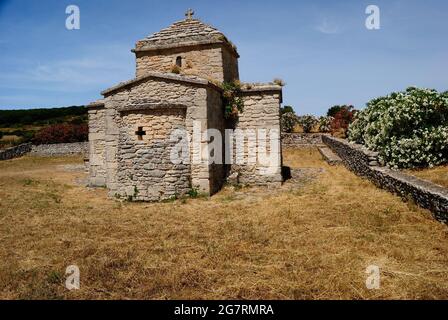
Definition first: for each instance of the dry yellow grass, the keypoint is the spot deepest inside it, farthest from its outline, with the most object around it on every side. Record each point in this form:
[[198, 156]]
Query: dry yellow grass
[[309, 242], [438, 175], [10, 138], [299, 129]]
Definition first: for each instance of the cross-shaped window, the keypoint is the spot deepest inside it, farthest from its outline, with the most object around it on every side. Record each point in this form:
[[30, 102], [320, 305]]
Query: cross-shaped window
[[140, 133]]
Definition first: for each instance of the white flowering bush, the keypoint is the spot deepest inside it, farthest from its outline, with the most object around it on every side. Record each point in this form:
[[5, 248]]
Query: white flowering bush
[[325, 124], [409, 129], [307, 122]]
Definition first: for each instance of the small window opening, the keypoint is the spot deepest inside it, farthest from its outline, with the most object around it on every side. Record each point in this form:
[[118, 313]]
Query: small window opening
[[179, 62]]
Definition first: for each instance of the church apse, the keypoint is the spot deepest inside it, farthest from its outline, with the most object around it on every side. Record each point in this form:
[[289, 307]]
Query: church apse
[[146, 171]]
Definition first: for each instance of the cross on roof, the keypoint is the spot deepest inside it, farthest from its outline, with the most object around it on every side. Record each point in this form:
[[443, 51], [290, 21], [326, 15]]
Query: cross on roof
[[140, 133], [189, 14]]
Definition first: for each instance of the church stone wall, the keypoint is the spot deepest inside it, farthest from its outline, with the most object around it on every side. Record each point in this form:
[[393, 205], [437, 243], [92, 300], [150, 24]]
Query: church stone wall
[[145, 170], [230, 65], [97, 147], [150, 94], [215, 117], [112, 117], [211, 62], [261, 111]]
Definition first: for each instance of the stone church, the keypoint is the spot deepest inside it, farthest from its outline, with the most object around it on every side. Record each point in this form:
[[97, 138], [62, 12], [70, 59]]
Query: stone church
[[177, 84]]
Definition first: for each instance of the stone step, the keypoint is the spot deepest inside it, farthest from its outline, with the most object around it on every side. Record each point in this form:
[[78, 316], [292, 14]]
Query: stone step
[[329, 156]]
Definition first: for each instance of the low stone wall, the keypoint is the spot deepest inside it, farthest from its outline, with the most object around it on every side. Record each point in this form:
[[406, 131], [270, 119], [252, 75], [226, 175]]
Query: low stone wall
[[356, 157], [365, 163], [15, 152], [60, 149], [301, 140]]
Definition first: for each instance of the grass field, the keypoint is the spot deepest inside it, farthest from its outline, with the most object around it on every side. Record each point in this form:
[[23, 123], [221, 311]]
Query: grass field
[[438, 175], [7, 141], [313, 240]]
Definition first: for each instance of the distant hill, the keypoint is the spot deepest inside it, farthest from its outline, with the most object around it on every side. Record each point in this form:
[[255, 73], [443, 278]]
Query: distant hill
[[19, 126], [42, 117]]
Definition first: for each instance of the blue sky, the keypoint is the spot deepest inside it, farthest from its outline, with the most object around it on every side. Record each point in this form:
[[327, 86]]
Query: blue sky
[[321, 49]]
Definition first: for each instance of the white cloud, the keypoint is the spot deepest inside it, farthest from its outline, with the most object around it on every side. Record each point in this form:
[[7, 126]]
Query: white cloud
[[97, 67], [327, 28]]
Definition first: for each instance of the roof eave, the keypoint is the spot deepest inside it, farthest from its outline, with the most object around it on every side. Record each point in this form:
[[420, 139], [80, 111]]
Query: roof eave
[[161, 76], [157, 47], [268, 88]]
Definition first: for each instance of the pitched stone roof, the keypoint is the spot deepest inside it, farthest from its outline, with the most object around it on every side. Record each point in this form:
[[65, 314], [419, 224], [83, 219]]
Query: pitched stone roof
[[193, 80], [183, 33]]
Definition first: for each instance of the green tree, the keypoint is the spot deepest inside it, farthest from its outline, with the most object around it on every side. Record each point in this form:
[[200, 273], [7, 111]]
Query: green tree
[[288, 122], [286, 109], [307, 122], [334, 110]]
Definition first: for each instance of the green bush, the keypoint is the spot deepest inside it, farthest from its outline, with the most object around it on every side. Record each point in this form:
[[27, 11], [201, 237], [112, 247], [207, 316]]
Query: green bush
[[334, 110], [286, 109], [307, 122], [409, 129], [233, 103], [288, 121]]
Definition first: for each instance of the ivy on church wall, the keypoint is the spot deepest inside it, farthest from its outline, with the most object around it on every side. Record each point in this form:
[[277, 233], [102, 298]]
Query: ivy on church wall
[[232, 101]]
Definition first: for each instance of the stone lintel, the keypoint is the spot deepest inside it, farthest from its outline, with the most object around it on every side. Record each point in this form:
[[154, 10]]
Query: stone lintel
[[164, 77], [151, 106], [99, 104]]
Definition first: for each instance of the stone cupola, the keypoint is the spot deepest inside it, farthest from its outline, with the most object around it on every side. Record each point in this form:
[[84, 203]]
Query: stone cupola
[[188, 47]]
